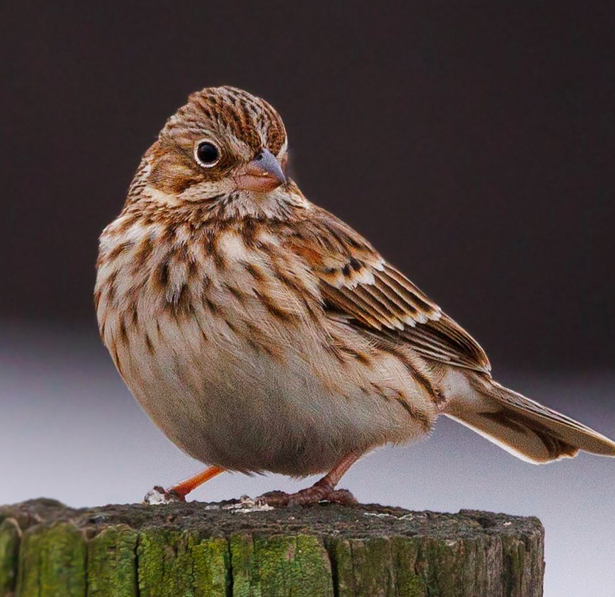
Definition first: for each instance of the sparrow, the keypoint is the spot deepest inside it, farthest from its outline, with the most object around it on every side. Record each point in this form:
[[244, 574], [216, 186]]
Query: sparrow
[[263, 334]]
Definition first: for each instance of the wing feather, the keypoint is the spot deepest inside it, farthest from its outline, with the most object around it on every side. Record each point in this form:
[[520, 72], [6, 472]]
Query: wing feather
[[356, 282]]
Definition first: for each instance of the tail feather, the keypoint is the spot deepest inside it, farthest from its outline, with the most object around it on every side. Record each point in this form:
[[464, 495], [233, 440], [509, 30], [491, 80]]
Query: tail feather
[[521, 426]]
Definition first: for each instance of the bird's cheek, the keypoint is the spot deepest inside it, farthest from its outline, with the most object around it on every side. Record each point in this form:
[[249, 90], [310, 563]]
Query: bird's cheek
[[209, 190]]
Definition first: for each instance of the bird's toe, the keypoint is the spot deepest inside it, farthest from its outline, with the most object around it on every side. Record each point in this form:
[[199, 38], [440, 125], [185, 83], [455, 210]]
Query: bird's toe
[[159, 496], [306, 497]]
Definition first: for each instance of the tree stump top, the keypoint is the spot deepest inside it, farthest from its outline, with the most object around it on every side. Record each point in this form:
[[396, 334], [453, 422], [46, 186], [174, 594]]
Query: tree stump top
[[326, 520], [236, 549]]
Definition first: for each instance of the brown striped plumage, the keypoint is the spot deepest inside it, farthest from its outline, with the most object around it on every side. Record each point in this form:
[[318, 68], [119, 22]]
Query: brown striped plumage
[[261, 333]]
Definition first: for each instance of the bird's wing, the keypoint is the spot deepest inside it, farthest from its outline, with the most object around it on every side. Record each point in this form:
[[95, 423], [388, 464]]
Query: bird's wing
[[359, 286]]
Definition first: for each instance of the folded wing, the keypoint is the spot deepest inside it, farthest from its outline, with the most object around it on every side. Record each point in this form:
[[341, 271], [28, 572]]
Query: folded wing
[[359, 286]]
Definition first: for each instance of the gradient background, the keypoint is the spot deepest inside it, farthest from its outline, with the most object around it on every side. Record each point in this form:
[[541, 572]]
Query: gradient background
[[471, 142]]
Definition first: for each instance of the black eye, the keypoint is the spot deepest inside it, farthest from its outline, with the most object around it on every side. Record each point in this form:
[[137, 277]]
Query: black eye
[[207, 153]]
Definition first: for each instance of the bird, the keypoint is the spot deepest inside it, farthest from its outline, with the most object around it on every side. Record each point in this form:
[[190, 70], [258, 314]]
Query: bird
[[262, 334]]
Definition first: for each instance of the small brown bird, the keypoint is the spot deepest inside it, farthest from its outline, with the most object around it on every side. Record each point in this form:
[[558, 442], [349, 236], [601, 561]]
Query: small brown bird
[[261, 333]]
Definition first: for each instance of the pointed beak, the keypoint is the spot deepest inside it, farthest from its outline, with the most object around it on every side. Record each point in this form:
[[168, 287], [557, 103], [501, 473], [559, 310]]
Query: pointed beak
[[262, 174]]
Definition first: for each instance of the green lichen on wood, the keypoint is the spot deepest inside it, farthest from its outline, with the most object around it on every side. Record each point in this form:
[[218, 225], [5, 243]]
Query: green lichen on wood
[[311, 568], [461, 567], [372, 566], [28, 575], [10, 536], [52, 562], [280, 566], [435, 567], [405, 555], [165, 563], [341, 566], [242, 554], [112, 563], [172, 563], [520, 569], [196, 550], [377, 566], [212, 567]]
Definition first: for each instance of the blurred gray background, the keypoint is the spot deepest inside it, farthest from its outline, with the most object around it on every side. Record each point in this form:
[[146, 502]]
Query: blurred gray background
[[471, 142]]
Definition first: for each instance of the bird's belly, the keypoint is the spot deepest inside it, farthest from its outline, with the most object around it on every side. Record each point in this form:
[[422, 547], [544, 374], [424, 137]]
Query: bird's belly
[[266, 400]]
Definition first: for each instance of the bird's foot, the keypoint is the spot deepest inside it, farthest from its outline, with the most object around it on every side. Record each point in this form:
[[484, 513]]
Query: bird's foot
[[312, 495], [158, 496]]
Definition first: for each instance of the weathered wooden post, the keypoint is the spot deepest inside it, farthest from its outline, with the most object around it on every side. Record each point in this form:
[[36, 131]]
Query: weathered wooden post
[[229, 549]]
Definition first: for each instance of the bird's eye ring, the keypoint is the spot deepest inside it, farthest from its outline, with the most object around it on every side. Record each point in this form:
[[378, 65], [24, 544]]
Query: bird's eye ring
[[206, 154]]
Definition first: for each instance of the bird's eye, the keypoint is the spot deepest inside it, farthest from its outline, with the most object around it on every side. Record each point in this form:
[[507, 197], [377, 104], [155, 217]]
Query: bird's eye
[[206, 154]]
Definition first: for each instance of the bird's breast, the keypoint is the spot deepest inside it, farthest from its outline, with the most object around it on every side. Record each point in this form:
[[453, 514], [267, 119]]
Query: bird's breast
[[219, 282], [223, 338]]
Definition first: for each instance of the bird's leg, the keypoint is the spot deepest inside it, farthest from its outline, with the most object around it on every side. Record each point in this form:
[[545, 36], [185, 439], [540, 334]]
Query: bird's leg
[[322, 490], [179, 491]]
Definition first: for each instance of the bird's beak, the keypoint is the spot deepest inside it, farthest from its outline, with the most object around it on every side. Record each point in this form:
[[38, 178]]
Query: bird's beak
[[262, 174]]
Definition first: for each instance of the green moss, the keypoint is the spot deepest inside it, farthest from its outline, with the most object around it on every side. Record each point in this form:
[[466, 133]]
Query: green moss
[[165, 565], [196, 551], [243, 566], [10, 536], [28, 576], [405, 555], [280, 566], [372, 562], [112, 563], [437, 565], [311, 568], [52, 562], [375, 567], [211, 567], [341, 564], [514, 564]]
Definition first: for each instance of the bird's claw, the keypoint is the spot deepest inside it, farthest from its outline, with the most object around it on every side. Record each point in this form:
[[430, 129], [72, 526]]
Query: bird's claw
[[160, 496], [305, 497]]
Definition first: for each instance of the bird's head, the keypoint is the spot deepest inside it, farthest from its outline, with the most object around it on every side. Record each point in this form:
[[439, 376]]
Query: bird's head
[[226, 150]]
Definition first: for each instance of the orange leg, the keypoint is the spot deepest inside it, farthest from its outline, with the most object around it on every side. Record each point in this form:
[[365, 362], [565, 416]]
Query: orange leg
[[324, 489], [179, 491], [183, 488]]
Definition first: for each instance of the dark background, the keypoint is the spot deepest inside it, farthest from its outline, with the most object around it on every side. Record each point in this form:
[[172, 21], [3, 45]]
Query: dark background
[[471, 142]]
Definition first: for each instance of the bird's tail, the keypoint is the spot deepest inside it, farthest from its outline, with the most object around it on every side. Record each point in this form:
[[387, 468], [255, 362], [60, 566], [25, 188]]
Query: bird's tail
[[521, 426]]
